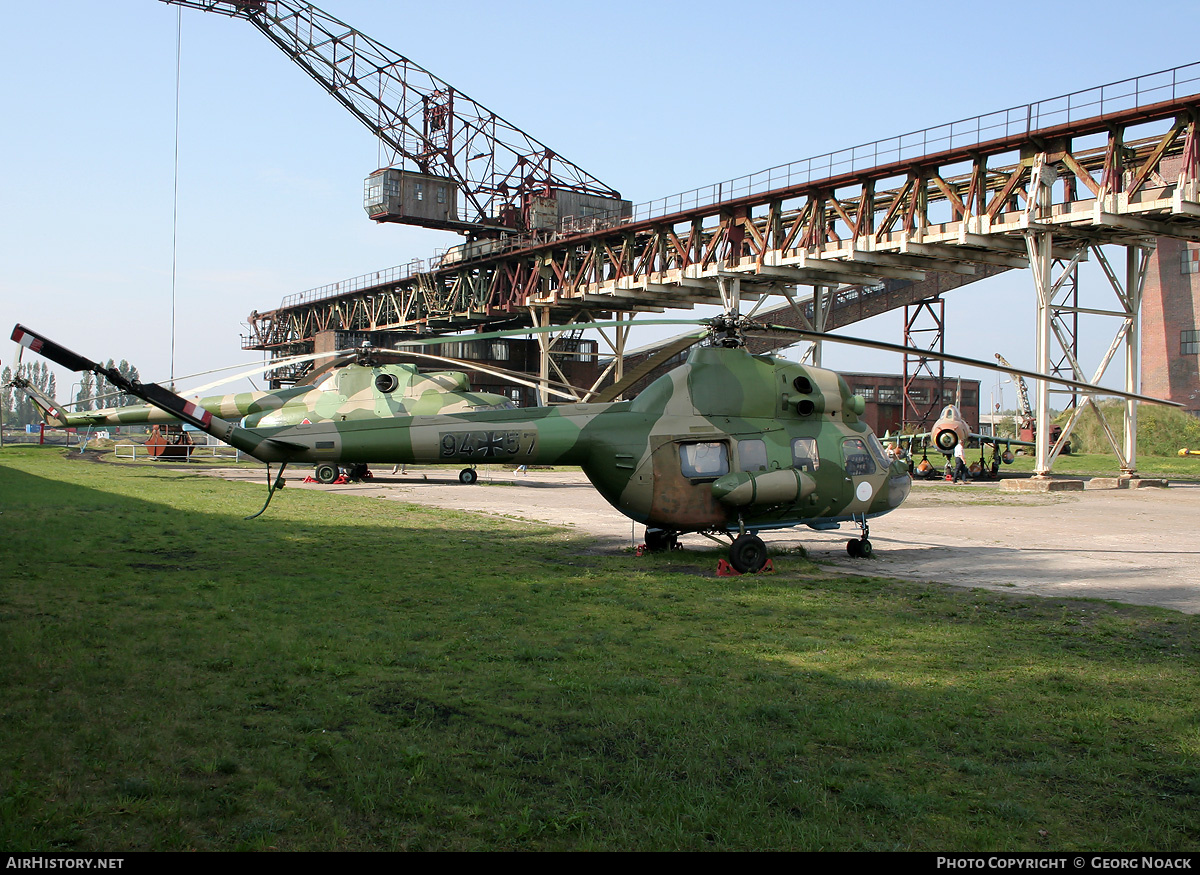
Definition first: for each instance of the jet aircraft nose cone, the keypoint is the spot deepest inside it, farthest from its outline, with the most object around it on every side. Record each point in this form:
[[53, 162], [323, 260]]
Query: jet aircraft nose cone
[[946, 439]]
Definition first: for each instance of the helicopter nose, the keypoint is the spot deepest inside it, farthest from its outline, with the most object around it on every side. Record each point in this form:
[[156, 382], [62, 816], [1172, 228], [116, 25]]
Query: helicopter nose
[[899, 485]]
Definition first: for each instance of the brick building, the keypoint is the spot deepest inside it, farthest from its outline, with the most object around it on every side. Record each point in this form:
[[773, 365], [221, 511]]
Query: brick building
[[884, 397], [1171, 324]]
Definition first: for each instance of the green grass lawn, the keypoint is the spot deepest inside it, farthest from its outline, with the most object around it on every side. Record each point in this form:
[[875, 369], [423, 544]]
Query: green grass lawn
[[356, 673]]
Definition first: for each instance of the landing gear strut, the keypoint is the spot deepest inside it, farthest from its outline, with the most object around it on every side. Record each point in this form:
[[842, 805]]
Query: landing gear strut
[[860, 548]]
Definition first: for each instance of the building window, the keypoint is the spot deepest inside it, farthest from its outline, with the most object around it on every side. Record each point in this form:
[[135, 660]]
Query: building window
[[1189, 261], [1189, 342], [889, 394], [867, 393]]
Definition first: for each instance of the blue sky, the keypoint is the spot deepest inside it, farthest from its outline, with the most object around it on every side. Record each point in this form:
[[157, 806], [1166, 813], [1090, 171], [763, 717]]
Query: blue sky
[[651, 97]]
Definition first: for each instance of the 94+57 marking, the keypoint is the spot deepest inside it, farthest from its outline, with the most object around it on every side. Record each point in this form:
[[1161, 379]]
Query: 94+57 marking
[[488, 444]]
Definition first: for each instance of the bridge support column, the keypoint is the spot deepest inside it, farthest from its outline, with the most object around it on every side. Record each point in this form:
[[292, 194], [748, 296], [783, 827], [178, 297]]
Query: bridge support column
[[541, 318], [1038, 245], [1136, 261], [822, 299], [616, 343], [1128, 292], [1049, 316]]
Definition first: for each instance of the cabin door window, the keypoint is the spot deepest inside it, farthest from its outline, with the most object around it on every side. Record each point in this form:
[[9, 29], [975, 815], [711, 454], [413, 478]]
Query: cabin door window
[[704, 460], [752, 455], [804, 455]]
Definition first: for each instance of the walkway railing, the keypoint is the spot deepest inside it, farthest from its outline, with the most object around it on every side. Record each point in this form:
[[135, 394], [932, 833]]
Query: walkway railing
[[199, 451], [1074, 108]]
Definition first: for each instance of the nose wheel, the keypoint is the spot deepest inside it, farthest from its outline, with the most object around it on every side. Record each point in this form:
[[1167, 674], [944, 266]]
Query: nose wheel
[[860, 548]]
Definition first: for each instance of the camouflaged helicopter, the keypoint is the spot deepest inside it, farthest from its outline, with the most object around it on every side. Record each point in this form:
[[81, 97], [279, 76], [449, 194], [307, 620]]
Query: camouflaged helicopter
[[350, 388], [727, 445]]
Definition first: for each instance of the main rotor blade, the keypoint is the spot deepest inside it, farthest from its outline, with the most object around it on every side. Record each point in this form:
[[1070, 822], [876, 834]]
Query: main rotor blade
[[969, 362], [399, 355], [266, 366], [310, 379], [519, 378], [151, 393], [546, 329]]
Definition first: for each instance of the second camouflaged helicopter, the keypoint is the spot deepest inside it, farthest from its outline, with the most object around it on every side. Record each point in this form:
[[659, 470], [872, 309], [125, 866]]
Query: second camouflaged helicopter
[[354, 387], [727, 444]]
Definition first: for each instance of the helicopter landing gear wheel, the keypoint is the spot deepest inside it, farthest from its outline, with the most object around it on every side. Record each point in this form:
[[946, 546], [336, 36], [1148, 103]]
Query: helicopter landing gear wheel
[[661, 540], [748, 554], [859, 549], [326, 473], [467, 476]]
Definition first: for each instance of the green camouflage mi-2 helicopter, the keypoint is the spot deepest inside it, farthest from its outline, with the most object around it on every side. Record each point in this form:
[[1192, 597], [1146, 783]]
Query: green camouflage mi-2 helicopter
[[354, 387], [728, 444]]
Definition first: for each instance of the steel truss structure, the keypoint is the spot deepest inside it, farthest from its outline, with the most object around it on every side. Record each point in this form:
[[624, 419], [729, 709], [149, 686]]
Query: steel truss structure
[[924, 328], [946, 208], [1014, 189]]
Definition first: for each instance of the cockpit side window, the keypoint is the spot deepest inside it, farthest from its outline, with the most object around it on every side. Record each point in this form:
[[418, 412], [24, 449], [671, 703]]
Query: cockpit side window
[[704, 459], [877, 450], [804, 454], [858, 460]]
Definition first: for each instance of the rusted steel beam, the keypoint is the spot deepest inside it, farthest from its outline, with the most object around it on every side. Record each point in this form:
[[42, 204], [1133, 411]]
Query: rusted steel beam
[[574, 266]]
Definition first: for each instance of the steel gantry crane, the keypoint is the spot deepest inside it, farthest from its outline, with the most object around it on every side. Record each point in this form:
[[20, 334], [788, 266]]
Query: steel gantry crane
[[453, 164]]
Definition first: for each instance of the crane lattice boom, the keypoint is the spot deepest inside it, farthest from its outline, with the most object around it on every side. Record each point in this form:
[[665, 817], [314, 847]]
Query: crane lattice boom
[[1026, 410], [446, 144]]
